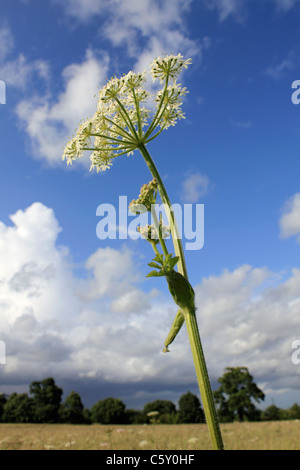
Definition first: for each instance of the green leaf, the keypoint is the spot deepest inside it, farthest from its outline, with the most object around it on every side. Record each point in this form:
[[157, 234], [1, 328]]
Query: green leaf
[[159, 258], [177, 324], [181, 291], [155, 274], [172, 262], [154, 265]]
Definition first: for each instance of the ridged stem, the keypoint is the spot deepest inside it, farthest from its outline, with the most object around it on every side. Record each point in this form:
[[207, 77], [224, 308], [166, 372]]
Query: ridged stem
[[190, 317], [204, 382]]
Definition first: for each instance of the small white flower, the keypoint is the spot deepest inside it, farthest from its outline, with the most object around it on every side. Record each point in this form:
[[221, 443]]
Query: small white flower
[[143, 443]]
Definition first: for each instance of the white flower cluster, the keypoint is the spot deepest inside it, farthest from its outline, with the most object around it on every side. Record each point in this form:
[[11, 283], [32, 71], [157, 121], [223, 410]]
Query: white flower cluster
[[170, 66], [150, 232], [117, 127]]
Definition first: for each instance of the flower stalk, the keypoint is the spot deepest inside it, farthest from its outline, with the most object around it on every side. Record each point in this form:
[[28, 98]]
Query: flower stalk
[[117, 128]]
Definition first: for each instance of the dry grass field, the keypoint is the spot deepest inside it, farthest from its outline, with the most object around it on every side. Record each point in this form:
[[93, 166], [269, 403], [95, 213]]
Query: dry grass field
[[275, 435]]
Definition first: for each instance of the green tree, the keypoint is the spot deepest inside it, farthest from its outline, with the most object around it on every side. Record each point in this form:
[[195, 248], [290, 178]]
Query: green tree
[[165, 408], [236, 392], [225, 415], [294, 411], [46, 400], [272, 413], [72, 410], [18, 409], [108, 411], [134, 417], [190, 410], [3, 400]]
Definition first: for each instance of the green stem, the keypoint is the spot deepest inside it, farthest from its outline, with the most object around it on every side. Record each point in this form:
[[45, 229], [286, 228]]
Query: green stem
[[120, 131], [167, 205], [124, 114], [203, 381], [138, 114], [114, 140], [190, 317], [158, 229], [155, 119]]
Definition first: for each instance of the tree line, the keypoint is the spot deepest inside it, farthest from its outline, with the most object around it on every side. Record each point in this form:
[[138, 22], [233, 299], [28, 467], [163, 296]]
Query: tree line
[[234, 398]]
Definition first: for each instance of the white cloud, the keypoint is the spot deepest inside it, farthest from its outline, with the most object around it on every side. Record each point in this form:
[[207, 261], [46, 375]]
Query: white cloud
[[84, 10], [278, 71], [289, 222], [6, 42], [105, 327], [194, 187], [106, 278], [145, 15], [227, 8], [52, 320], [286, 4], [147, 28], [151, 14], [18, 71], [50, 122], [238, 8], [251, 327]]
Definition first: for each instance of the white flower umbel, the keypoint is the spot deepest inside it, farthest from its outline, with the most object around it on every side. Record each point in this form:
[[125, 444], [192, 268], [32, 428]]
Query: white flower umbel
[[122, 123], [117, 127]]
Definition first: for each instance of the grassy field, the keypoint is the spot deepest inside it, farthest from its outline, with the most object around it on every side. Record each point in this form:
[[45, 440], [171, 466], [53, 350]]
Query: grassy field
[[275, 435]]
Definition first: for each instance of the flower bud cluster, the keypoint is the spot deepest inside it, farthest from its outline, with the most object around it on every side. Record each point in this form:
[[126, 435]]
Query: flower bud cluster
[[150, 232], [146, 198]]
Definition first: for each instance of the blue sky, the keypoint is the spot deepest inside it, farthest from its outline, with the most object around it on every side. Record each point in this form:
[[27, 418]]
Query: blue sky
[[80, 309]]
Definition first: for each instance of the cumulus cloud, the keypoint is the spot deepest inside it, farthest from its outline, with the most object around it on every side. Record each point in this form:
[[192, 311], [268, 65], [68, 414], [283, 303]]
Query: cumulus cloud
[[147, 12], [289, 222], [106, 329], [51, 320], [147, 28], [252, 320], [146, 15]]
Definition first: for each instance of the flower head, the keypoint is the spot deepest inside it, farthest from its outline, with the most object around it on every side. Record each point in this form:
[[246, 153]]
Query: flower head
[[150, 232], [168, 67], [117, 126]]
